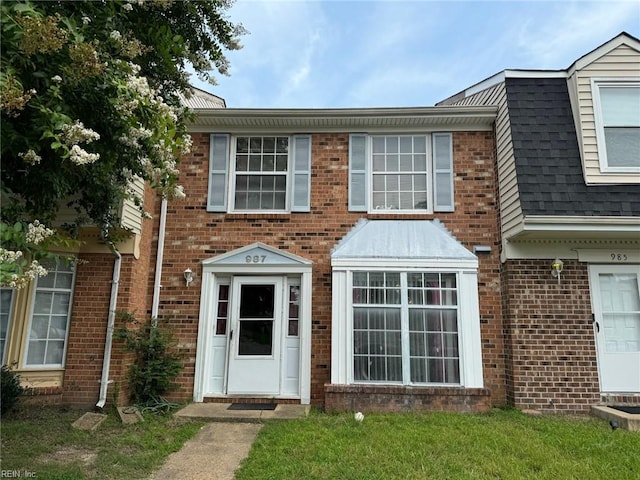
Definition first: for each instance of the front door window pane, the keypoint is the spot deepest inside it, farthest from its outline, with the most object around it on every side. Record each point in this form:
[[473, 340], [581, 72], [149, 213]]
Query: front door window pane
[[620, 312], [257, 312]]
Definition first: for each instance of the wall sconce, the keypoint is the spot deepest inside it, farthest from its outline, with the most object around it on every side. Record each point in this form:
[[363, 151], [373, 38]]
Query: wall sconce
[[188, 276], [556, 269]]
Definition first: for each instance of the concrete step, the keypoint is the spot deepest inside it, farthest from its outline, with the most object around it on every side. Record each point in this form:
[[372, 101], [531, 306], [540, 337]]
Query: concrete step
[[219, 412]]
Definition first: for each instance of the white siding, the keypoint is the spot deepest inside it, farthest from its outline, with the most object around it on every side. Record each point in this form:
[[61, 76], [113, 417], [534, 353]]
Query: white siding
[[131, 217], [510, 209], [621, 62]]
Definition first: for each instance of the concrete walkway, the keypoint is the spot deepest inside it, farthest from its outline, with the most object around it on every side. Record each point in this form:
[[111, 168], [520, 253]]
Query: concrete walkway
[[220, 446]]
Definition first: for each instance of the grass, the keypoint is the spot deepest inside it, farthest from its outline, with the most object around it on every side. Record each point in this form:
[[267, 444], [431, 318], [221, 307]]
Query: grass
[[41, 440], [502, 444]]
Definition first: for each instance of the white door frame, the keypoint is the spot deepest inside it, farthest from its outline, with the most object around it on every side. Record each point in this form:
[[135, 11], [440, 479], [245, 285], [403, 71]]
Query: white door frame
[[269, 261], [622, 363]]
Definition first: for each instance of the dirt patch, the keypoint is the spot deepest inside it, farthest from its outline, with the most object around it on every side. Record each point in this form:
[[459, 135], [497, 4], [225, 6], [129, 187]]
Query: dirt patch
[[68, 455]]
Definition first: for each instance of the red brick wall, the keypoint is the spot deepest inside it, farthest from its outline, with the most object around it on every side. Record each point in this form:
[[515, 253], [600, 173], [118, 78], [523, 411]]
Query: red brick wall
[[193, 235], [551, 349], [90, 311]]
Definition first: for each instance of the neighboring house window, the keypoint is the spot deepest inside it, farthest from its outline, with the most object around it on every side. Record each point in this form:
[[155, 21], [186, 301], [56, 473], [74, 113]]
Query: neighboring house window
[[408, 173], [6, 307], [50, 315], [405, 327], [617, 115], [267, 173]]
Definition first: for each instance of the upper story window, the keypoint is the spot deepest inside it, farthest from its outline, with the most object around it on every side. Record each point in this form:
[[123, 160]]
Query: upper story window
[[259, 173], [6, 307], [617, 116], [406, 173]]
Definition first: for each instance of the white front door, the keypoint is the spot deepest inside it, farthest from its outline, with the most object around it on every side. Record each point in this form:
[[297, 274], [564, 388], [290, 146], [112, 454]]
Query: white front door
[[615, 292], [255, 336]]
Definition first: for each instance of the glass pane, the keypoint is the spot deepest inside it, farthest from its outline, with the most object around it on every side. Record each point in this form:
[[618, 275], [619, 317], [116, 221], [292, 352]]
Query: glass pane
[[255, 163], [55, 350], [269, 145], [293, 328], [35, 356], [48, 281], [60, 303], [417, 344], [242, 145], [255, 337], [360, 320], [256, 301], [64, 280], [620, 105], [223, 293], [451, 371], [418, 370], [58, 328], [623, 146], [394, 369], [360, 368], [221, 326], [406, 144], [39, 327], [416, 320], [42, 303]]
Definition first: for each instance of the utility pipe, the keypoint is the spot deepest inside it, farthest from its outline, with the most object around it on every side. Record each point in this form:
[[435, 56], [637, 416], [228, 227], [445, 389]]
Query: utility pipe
[[159, 256], [106, 360]]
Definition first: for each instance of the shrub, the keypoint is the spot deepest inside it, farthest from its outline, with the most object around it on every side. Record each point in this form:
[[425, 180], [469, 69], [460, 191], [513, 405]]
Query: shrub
[[10, 389], [156, 362]]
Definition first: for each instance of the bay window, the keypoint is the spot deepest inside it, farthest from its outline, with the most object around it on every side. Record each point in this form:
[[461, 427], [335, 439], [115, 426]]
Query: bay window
[[405, 327]]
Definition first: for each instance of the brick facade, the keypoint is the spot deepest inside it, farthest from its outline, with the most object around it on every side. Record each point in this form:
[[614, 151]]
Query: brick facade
[[193, 235], [551, 352]]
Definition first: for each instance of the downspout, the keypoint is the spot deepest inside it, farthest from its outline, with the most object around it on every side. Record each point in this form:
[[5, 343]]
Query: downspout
[[113, 302], [156, 283]]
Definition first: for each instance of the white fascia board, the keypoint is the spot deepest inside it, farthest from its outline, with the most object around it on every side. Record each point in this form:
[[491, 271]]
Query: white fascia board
[[261, 269], [540, 223], [404, 264]]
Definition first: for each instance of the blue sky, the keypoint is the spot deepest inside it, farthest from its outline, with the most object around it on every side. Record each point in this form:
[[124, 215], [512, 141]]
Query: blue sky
[[335, 53]]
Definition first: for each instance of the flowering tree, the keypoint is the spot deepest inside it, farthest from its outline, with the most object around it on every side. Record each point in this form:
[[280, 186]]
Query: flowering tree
[[90, 101]]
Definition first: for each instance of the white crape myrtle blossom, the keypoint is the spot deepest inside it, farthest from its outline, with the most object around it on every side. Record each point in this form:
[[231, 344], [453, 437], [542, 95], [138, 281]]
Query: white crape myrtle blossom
[[134, 135], [178, 193], [115, 35], [56, 78], [19, 281], [37, 232], [30, 157], [82, 157], [127, 7], [86, 20], [77, 133]]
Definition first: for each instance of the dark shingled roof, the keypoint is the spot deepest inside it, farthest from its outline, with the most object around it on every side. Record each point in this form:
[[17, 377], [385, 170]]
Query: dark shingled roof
[[547, 157]]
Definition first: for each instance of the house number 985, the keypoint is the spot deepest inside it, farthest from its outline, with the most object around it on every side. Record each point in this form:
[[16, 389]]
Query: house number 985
[[618, 257], [255, 258]]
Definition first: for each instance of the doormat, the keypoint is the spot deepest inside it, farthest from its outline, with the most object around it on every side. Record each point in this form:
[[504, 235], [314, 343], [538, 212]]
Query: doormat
[[627, 409], [252, 406]]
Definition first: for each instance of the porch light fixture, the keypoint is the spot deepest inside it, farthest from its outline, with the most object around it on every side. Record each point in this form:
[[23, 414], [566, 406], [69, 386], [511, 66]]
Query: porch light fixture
[[188, 276], [556, 269]]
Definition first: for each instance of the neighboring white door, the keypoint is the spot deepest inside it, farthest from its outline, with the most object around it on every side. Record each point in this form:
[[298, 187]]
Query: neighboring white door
[[255, 336], [615, 292]]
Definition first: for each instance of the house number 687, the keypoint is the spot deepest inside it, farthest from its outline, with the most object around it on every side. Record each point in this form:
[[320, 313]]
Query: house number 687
[[255, 258]]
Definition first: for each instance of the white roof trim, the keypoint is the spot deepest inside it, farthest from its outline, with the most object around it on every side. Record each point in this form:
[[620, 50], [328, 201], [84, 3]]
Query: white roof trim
[[536, 227], [347, 119]]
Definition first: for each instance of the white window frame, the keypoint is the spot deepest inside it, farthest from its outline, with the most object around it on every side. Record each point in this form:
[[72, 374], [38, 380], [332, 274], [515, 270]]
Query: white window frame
[[596, 85], [3, 357], [437, 179], [428, 173], [469, 340], [223, 173], [47, 366], [235, 174]]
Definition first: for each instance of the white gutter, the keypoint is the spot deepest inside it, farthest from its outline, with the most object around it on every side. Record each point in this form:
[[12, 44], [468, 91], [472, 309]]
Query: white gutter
[[113, 302], [159, 256]]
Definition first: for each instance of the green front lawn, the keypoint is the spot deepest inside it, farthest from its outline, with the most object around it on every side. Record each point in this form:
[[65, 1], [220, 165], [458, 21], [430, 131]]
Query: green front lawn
[[502, 444], [496, 445], [41, 441]]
